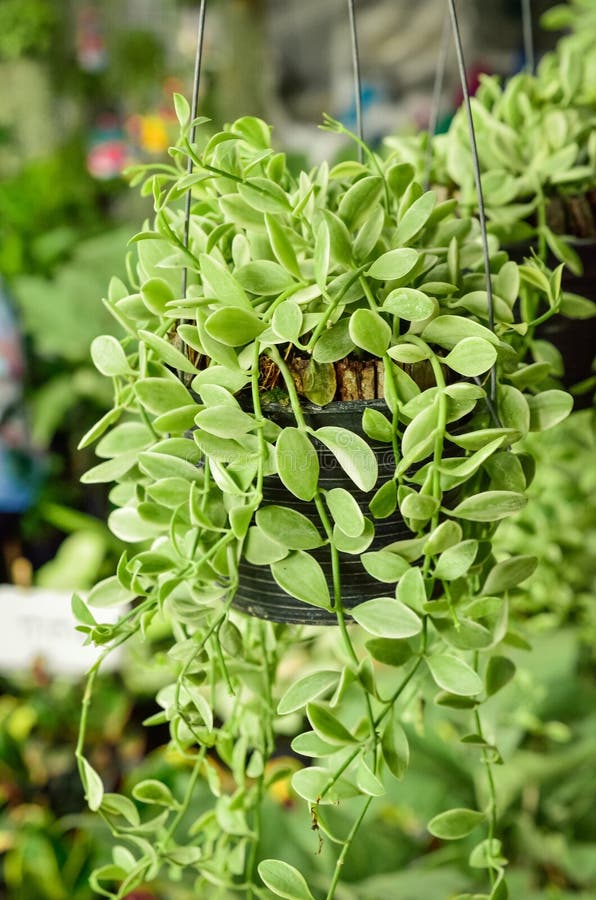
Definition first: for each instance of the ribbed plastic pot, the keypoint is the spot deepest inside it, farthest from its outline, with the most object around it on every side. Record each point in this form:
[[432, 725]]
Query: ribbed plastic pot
[[258, 593]]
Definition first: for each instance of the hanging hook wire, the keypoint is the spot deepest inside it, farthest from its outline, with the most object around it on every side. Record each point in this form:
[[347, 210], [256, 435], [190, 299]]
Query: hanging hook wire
[[526, 10], [437, 95], [193, 130], [357, 77], [476, 165]]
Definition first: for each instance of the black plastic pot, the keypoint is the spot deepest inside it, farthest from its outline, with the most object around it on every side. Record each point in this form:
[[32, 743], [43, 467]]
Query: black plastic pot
[[258, 593]]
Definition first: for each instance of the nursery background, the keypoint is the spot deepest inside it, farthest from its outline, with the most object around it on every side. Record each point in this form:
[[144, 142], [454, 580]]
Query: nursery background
[[88, 94]]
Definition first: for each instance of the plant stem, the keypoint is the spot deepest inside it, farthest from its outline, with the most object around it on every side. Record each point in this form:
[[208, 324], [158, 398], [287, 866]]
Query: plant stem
[[344, 852]]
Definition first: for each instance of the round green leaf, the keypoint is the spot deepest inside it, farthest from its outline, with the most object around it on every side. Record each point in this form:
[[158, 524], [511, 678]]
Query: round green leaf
[[352, 453], [410, 304], [454, 675], [306, 689], [455, 823], [415, 217], [264, 277], [471, 357], [154, 792], [297, 463], [499, 672], [234, 327], [489, 506], [108, 356], [386, 617], [549, 408], [327, 726], [345, 511], [284, 880], [301, 576], [393, 264], [370, 331], [289, 527], [92, 784]]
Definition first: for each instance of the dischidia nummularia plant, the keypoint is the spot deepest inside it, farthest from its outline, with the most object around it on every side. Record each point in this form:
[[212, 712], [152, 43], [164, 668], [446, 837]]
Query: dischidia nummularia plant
[[343, 282]]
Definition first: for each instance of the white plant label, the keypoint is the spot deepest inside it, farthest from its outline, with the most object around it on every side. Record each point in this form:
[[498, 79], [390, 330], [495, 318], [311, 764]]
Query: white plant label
[[37, 625]]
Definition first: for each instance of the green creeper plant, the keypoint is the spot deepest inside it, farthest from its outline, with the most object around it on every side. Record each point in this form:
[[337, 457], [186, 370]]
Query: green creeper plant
[[537, 151], [288, 278]]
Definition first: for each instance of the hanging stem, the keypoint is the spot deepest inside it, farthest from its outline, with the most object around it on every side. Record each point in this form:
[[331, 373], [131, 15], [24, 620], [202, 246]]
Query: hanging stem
[[357, 78], [476, 164]]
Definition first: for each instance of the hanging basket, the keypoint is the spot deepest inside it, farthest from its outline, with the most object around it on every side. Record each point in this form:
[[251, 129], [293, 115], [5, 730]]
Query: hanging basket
[[258, 593]]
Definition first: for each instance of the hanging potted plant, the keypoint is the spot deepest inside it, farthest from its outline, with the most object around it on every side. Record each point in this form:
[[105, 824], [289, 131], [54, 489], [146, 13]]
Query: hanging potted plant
[[321, 429], [538, 160]]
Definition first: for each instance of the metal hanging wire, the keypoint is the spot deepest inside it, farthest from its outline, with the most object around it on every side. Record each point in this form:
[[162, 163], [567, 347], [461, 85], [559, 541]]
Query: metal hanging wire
[[357, 77], [528, 32], [193, 131], [437, 95], [476, 166]]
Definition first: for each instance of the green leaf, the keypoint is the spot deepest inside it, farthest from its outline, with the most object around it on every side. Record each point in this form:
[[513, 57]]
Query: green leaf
[[322, 255], [154, 792], [409, 353], [109, 592], [487, 855], [415, 217], [367, 781], [288, 527], [234, 327], [471, 357], [370, 331], [110, 470], [384, 565], [166, 353], [418, 506], [489, 506], [507, 285], [386, 617], [384, 502], [499, 672], [345, 511], [455, 561], [352, 453], [261, 550], [411, 589], [549, 408], [377, 426], [264, 277], [119, 805], [444, 536], [282, 246], [327, 726], [390, 651], [410, 304], [99, 428], [221, 284], [509, 573], [297, 463], [354, 545], [395, 747], [313, 784], [161, 395], [334, 343], [156, 294], [108, 356], [310, 744], [393, 264], [92, 784], [455, 823], [287, 321], [356, 204], [225, 420], [182, 108], [306, 689], [319, 382], [284, 880], [454, 675], [301, 576], [447, 331], [264, 195]]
